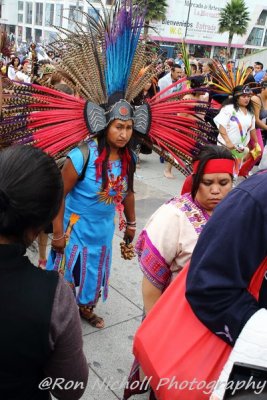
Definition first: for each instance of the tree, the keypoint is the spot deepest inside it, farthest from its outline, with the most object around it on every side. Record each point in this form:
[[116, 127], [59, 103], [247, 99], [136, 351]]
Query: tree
[[156, 10], [234, 18]]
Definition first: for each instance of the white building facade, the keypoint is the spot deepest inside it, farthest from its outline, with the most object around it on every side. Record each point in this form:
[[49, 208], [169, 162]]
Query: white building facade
[[196, 21], [34, 20], [9, 15]]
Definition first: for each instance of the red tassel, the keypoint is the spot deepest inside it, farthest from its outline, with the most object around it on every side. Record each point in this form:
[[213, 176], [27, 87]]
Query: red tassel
[[99, 163], [125, 161]]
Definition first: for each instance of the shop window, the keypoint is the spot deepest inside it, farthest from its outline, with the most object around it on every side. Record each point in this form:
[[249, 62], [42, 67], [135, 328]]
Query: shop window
[[39, 14], [262, 18], [49, 14], [255, 37], [74, 15], [20, 18], [28, 35], [93, 13], [38, 35], [59, 15], [28, 12]]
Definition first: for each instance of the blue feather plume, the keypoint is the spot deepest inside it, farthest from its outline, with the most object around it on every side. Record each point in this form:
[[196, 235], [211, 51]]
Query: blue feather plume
[[121, 43]]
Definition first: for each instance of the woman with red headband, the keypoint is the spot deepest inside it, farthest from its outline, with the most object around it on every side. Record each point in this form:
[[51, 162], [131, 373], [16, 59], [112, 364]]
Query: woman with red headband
[[169, 237]]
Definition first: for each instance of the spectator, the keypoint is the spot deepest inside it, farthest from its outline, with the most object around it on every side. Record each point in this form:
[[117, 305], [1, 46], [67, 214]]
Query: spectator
[[258, 71], [250, 78], [230, 66], [221, 271], [179, 60], [40, 331], [206, 70], [168, 64], [2, 67], [193, 69], [167, 241], [172, 77], [13, 68], [260, 109], [23, 75]]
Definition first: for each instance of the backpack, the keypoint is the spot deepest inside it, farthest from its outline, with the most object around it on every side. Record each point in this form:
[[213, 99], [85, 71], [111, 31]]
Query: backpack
[[86, 155]]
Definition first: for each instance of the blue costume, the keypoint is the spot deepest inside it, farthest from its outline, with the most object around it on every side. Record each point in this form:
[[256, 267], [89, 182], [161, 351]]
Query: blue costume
[[229, 250], [89, 221]]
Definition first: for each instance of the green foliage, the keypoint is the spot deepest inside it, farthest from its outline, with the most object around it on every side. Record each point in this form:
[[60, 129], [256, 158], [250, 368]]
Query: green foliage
[[156, 9], [186, 61], [234, 18]]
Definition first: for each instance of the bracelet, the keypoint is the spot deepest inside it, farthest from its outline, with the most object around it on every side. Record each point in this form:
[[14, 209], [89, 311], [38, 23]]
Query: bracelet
[[131, 228], [61, 237], [133, 223]]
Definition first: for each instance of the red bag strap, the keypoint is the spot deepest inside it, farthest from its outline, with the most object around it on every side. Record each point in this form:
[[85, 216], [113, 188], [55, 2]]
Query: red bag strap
[[256, 281]]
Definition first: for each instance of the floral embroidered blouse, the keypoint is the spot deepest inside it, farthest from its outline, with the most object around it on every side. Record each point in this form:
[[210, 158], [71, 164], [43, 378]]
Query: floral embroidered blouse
[[168, 239]]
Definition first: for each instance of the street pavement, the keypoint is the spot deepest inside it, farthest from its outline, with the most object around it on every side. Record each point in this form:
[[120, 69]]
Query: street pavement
[[109, 350]]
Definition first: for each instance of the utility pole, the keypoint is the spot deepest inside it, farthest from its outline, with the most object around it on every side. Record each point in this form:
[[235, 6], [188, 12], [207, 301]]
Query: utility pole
[[187, 20]]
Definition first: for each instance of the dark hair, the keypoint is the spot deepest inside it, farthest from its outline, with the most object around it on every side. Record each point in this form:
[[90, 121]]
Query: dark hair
[[12, 62], [31, 191], [208, 152], [200, 67], [64, 88], [102, 143], [196, 81], [259, 63], [176, 66], [193, 66], [208, 62], [234, 100], [170, 63]]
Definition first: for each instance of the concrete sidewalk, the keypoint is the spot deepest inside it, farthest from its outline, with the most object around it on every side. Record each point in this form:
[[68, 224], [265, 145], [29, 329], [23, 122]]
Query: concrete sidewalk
[[109, 351]]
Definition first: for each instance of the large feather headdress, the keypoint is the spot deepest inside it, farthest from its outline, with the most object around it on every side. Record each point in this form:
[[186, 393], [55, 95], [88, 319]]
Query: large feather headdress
[[224, 80], [101, 61]]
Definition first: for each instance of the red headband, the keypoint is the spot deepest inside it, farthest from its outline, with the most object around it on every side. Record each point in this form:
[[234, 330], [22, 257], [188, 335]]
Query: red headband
[[216, 166]]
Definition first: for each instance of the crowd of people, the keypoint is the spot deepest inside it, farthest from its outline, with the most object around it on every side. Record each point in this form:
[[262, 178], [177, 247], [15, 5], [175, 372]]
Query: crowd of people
[[29, 67], [222, 231]]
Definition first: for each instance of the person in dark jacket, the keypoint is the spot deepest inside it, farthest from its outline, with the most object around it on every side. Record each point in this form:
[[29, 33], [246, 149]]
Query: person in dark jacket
[[40, 336], [229, 250]]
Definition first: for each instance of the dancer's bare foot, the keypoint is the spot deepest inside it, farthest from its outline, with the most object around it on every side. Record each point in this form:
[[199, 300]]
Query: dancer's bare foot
[[168, 174]]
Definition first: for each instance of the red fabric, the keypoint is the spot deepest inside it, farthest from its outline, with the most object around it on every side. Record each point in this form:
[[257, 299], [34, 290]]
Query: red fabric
[[175, 349], [99, 163], [125, 161], [250, 162], [215, 104], [187, 186], [216, 166]]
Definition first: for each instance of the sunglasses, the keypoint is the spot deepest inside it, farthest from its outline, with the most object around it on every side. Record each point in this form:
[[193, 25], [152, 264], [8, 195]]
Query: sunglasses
[[246, 91]]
